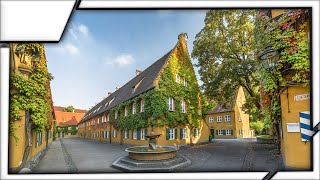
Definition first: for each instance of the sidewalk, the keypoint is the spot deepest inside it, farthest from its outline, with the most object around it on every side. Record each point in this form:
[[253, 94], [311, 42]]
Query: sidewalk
[[53, 161]]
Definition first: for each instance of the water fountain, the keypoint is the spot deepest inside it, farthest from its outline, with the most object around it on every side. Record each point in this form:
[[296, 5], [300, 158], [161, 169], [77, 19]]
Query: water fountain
[[151, 158]]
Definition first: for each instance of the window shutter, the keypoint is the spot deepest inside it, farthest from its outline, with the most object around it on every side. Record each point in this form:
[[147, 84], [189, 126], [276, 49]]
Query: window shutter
[[138, 134], [216, 132], [132, 133], [231, 131], [167, 134], [181, 134], [176, 133], [224, 132], [194, 132], [145, 133]]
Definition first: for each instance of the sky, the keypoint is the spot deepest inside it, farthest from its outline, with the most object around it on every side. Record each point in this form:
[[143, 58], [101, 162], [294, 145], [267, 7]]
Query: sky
[[102, 49]]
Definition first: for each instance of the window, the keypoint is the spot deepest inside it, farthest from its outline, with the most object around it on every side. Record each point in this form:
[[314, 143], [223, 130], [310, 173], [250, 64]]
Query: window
[[240, 118], [170, 104], [196, 132], [171, 134], [98, 120], [133, 108], [227, 118], [184, 133], [114, 133], [126, 133], [142, 134], [116, 115], [220, 132], [219, 119], [38, 139], [108, 134], [185, 83], [134, 134], [183, 106], [211, 120], [108, 118], [240, 131], [141, 106], [228, 131], [177, 78], [125, 111]]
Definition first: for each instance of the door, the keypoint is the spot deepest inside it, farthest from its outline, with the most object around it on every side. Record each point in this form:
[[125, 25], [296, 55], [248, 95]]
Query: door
[[212, 132], [58, 134], [62, 134]]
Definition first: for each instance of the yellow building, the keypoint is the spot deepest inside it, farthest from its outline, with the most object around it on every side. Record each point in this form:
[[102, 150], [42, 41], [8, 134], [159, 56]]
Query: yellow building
[[19, 141], [295, 99], [169, 86], [230, 122]]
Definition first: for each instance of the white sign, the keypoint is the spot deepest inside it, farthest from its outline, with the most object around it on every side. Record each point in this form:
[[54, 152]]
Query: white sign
[[301, 97], [293, 127]]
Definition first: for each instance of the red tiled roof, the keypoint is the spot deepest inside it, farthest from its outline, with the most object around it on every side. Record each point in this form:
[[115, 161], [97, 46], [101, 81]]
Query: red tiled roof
[[71, 122], [220, 109], [60, 108], [64, 117]]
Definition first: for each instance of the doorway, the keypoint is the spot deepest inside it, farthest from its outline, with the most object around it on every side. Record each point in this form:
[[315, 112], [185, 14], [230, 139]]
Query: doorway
[[212, 132]]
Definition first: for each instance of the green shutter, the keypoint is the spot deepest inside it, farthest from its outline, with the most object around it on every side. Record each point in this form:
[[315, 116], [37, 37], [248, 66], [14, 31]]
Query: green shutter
[[181, 134], [132, 134], [231, 131], [138, 134], [216, 132], [194, 132], [145, 133], [167, 134], [176, 133], [224, 132]]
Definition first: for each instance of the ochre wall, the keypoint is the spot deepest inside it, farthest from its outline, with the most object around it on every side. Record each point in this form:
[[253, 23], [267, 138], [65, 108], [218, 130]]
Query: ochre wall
[[244, 123], [222, 125], [296, 153]]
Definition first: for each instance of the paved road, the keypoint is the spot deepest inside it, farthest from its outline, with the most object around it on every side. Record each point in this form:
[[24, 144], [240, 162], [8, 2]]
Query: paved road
[[84, 156]]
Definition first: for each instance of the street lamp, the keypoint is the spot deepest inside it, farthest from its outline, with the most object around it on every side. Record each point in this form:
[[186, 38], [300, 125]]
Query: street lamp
[[269, 57]]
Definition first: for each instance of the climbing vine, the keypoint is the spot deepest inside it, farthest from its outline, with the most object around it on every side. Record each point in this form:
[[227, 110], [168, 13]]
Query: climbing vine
[[156, 100], [31, 93], [288, 35]]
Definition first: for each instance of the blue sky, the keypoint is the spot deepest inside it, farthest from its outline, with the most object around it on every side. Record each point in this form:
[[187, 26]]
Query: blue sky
[[102, 49]]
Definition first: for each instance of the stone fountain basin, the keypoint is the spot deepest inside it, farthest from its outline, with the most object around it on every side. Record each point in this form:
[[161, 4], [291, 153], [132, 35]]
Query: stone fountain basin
[[144, 153]]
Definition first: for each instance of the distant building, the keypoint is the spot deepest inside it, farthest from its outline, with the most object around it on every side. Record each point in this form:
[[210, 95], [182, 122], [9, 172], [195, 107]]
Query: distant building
[[230, 122], [67, 122]]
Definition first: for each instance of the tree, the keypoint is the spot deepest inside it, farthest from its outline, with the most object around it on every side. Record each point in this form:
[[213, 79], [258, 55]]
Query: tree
[[69, 109], [225, 50], [258, 126]]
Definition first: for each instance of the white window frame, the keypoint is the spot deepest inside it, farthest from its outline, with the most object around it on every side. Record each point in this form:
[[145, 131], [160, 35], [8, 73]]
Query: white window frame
[[98, 120], [183, 106], [114, 133], [228, 132], [170, 104], [227, 118], [133, 108], [185, 82], [240, 119], [116, 115], [240, 132], [220, 132], [184, 133], [126, 133], [177, 78], [197, 132], [171, 134], [125, 111], [135, 134], [142, 106], [142, 134], [211, 119], [108, 134], [219, 118], [108, 117]]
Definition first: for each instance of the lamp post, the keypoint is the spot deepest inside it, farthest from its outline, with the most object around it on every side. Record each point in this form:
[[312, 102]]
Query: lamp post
[[269, 58]]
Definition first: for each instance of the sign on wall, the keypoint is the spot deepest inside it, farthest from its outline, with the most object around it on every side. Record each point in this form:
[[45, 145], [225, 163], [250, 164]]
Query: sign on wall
[[293, 127], [301, 97]]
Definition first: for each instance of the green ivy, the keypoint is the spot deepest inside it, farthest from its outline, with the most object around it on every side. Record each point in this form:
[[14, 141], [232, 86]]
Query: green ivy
[[32, 93]]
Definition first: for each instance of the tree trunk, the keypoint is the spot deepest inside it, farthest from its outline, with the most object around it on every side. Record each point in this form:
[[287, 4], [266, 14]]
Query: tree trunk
[[29, 140]]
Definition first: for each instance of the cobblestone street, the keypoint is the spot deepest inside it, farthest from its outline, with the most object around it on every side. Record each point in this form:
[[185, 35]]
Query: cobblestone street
[[84, 156]]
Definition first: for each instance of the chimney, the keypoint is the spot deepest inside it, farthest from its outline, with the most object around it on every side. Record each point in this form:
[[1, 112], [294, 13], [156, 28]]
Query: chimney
[[183, 36], [118, 87], [109, 93], [138, 72]]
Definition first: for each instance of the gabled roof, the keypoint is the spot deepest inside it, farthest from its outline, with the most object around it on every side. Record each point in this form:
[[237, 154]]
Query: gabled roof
[[230, 106], [63, 116], [146, 82], [60, 108], [71, 122]]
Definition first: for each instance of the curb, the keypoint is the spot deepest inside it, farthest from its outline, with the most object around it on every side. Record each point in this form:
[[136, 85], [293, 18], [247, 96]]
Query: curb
[[72, 168]]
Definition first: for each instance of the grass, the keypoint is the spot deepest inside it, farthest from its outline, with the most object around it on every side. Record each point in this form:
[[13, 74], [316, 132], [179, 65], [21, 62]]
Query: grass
[[265, 137]]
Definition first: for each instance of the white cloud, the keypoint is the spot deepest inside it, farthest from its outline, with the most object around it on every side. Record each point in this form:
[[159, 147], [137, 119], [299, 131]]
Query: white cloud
[[79, 30], [72, 49], [83, 29], [122, 60]]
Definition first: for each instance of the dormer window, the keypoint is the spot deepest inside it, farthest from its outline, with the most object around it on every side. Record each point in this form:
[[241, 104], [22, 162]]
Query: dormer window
[[177, 78]]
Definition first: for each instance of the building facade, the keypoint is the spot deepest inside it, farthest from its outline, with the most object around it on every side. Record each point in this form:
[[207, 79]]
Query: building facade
[[67, 121], [27, 143], [230, 122], [164, 98]]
